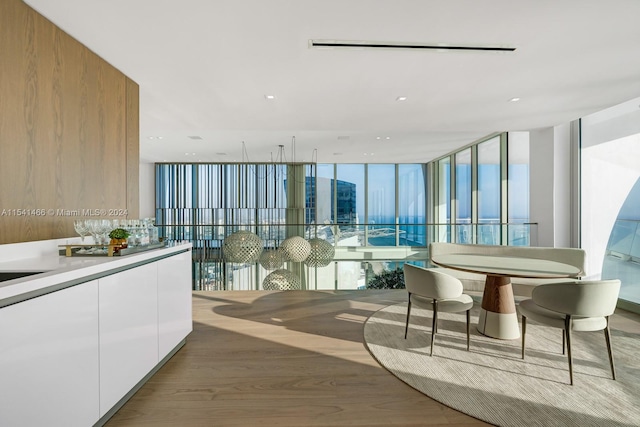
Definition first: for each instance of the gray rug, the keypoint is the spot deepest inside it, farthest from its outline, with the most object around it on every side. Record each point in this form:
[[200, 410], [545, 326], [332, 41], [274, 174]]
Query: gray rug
[[492, 383]]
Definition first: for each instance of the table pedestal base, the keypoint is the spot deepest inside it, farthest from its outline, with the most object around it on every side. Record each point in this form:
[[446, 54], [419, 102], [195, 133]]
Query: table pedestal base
[[498, 318], [499, 325]]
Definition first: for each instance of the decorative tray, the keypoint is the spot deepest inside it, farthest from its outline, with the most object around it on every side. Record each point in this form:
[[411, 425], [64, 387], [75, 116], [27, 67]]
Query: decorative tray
[[106, 250]]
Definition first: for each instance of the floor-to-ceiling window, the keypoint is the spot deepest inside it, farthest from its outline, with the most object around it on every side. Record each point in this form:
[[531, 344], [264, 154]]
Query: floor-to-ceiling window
[[324, 192], [610, 196], [205, 203], [351, 206], [489, 192], [486, 193], [442, 228], [464, 228], [347, 205], [412, 205], [519, 232], [381, 205]]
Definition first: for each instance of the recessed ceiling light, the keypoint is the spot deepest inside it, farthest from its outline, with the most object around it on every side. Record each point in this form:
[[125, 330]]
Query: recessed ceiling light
[[377, 137], [152, 137], [270, 97], [388, 137], [516, 99], [186, 154], [196, 137], [401, 98], [159, 137]]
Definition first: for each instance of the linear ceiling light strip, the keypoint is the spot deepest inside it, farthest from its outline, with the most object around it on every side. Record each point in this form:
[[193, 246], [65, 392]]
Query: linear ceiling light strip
[[410, 46]]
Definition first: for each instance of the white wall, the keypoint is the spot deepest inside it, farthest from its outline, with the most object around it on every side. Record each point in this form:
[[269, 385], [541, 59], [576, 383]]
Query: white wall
[[550, 185], [562, 186], [541, 184], [147, 190]]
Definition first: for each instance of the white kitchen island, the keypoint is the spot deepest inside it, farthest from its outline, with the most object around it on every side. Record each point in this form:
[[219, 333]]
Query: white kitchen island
[[78, 339]]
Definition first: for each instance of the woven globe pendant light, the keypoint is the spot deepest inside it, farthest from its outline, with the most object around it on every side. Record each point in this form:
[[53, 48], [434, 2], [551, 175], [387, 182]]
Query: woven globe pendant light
[[322, 253], [243, 247], [271, 259], [281, 280], [295, 249]]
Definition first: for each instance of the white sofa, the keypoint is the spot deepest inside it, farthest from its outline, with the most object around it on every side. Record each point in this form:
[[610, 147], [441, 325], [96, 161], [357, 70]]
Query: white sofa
[[521, 286]]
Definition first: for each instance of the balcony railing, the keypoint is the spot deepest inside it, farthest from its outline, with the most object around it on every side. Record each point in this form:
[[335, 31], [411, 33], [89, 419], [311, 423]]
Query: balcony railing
[[360, 248]]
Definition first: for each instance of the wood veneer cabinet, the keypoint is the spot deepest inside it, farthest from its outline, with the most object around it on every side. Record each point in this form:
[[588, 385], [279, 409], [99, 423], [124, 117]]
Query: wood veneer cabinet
[[69, 130]]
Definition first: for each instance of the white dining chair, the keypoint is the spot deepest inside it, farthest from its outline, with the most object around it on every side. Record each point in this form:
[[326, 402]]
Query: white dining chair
[[573, 306], [435, 291]]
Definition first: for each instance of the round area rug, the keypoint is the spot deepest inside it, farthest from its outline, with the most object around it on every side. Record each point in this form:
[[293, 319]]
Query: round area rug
[[492, 383]]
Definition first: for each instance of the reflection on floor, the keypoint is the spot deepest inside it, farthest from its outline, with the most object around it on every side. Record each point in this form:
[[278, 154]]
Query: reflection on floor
[[294, 358]]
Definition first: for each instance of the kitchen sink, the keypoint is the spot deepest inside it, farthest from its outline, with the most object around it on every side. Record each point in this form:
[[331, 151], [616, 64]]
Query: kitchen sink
[[10, 275]]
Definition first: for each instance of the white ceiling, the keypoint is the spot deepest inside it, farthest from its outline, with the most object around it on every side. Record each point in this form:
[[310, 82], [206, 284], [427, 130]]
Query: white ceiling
[[205, 66]]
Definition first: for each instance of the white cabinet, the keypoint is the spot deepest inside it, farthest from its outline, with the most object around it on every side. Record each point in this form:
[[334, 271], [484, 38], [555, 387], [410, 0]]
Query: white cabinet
[[49, 359], [174, 301], [68, 357], [128, 331]]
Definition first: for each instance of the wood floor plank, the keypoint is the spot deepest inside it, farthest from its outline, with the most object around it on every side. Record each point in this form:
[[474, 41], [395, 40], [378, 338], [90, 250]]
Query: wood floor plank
[[260, 358]]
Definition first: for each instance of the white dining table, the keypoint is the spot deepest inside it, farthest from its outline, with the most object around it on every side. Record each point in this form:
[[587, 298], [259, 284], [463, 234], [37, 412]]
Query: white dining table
[[498, 318]]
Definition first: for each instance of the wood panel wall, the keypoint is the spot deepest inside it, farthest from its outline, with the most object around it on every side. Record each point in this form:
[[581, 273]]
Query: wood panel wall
[[69, 136]]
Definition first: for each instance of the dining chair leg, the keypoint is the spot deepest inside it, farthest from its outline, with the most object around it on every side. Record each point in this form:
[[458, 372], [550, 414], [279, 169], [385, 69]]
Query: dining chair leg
[[607, 335], [434, 323], [563, 341], [567, 328], [468, 322], [524, 333], [406, 328], [436, 327]]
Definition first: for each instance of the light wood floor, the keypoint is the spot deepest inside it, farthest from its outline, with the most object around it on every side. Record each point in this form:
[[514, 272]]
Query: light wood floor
[[294, 358]]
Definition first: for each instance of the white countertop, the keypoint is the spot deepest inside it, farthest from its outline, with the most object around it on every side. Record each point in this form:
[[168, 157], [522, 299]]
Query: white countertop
[[58, 269]]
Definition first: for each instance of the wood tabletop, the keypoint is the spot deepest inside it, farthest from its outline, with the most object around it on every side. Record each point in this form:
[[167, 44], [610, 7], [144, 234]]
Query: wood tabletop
[[497, 265]]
